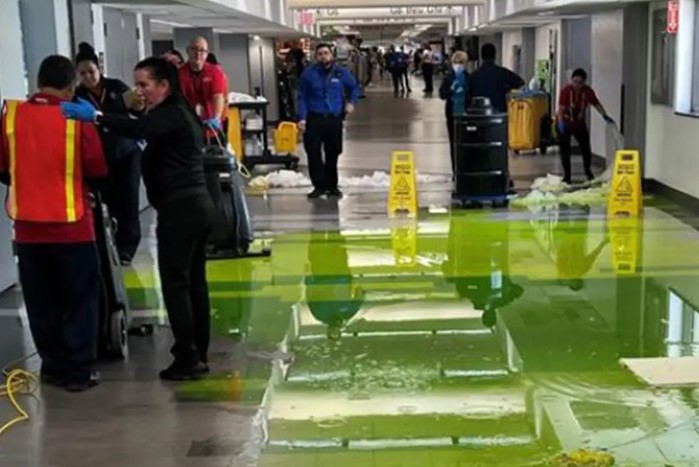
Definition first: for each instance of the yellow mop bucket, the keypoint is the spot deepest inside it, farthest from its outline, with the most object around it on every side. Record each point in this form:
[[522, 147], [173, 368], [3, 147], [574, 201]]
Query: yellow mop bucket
[[286, 138]]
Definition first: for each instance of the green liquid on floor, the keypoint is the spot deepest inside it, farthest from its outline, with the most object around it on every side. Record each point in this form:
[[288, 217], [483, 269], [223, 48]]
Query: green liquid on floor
[[472, 339]]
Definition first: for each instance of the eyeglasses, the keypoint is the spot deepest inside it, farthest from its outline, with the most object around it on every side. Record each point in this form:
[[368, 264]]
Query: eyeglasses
[[197, 50]]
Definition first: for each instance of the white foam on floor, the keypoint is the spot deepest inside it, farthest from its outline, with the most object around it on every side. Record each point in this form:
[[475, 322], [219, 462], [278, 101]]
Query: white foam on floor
[[378, 179]]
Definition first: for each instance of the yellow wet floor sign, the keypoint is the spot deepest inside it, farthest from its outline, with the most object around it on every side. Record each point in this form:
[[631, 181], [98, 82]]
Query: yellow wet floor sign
[[402, 195], [625, 196], [624, 236]]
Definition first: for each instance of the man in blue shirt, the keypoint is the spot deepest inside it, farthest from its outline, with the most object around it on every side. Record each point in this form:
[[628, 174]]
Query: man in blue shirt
[[327, 93], [493, 81]]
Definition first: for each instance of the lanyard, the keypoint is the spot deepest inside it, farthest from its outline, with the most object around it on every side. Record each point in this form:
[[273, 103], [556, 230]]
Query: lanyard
[[583, 106], [103, 96]]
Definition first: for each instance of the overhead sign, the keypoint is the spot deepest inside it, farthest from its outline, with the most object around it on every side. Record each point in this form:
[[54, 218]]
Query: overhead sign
[[673, 16], [305, 18], [625, 197], [385, 12], [402, 195]]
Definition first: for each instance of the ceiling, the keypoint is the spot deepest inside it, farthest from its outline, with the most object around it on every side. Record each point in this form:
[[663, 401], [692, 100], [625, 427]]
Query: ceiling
[[168, 14]]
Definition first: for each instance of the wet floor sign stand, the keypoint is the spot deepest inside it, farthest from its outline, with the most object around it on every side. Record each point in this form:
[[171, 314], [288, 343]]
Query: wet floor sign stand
[[624, 208], [625, 197], [402, 195]]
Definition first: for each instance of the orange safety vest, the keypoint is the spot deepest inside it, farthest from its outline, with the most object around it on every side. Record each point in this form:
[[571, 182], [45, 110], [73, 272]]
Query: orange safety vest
[[45, 164]]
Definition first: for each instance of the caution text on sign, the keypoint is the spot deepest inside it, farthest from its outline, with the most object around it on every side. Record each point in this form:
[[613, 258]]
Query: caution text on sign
[[625, 197], [624, 235], [402, 195]]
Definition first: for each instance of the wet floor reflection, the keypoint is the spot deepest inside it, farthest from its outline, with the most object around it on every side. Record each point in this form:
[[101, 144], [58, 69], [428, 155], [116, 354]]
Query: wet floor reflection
[[465, 339]]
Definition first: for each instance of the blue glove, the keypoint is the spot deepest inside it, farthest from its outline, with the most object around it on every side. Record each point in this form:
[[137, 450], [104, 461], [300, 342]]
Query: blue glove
[[213, 123], [561, 127], [83, 110], [608, 119]]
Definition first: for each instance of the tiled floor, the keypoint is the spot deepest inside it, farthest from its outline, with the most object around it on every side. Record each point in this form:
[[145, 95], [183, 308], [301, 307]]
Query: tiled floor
[[416, 378]]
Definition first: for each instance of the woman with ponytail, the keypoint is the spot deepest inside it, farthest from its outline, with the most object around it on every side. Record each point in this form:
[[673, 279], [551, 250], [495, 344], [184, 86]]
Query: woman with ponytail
[[121, 190], [173, 171]]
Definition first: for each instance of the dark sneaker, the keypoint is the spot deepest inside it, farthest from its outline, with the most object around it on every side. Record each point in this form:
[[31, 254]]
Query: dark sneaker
[[315, 194], [335, 193], [179, 372], [81, 386]]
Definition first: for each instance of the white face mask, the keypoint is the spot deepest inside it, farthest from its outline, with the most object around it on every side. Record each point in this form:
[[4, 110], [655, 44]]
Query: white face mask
[[458, 68]]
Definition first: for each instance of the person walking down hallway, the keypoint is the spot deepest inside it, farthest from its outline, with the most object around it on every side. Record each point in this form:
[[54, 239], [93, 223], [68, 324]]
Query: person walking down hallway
[[121, 190], [454, 90], [47, 160], [173, 172], [428, 70], [405, 69], [573, 103], [204, 86], [396, 63], [493, 81], [327, 93]]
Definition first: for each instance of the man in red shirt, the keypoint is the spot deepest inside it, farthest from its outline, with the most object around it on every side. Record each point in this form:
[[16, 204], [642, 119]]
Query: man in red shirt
[[55, 237], [573, 103], [203, 85]]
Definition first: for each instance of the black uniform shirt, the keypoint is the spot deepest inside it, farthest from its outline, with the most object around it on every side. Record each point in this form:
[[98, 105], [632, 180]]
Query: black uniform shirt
[[494, 82]]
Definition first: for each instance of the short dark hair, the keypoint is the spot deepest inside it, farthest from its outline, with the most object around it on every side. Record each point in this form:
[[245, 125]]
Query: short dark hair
[[56, 72], [323, 45], [488, 52], [579, 73]]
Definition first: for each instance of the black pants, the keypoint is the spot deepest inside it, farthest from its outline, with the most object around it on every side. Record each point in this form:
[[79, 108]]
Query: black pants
[[582, 136], [122, 198], [397, 76], [428, 75], [61, 290], [183, 229], [323, 135], [452, 150]]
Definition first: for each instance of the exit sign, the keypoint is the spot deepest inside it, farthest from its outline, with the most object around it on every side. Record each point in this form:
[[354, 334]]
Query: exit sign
[[673, 16]]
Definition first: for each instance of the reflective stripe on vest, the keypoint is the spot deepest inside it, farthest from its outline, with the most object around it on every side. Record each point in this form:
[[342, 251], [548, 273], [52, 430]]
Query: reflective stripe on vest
[[10, 130], [37, 196]]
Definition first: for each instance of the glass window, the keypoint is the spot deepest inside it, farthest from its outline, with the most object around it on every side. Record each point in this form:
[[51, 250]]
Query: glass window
[[663, 61]]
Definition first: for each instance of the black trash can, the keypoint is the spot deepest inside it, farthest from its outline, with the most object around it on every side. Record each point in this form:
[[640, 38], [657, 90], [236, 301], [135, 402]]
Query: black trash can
[[482, 172]]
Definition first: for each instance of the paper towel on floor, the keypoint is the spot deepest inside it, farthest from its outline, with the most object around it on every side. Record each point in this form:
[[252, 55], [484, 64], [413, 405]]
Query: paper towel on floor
[[378, 179], [552, 190]]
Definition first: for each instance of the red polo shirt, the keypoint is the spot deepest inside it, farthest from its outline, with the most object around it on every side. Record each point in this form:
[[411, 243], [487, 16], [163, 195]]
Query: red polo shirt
[[575, 104], [200, 88], [94, 166]]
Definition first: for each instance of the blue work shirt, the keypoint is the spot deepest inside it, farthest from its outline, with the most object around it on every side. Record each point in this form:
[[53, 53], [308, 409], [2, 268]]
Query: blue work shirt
[[494, 82], [326, 90]]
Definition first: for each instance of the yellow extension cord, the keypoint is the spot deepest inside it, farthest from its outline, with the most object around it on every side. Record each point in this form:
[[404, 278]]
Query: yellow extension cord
[[18, 383]]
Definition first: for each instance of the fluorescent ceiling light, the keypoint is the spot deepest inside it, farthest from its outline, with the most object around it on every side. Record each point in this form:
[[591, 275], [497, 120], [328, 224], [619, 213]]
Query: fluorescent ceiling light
[[170, 23]]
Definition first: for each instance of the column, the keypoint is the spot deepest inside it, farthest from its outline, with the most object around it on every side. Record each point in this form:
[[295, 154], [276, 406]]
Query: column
[[81, 19], [145, 44], [45, 31], [13, 85], [234, 57], [528, 53], [635, 77]]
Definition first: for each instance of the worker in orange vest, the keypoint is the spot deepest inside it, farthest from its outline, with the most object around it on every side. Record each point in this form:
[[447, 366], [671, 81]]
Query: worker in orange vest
[[45, 160]]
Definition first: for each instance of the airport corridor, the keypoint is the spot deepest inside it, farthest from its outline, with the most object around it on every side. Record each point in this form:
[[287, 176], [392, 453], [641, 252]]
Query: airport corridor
[[463, 338]]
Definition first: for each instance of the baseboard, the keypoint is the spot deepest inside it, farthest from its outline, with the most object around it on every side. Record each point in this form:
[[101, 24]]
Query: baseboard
[[689, 202]]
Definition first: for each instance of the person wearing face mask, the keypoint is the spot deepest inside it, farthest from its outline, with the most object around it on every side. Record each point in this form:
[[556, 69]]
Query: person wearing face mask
[[173, 172], [327, 93], [574, 102], [454, 90], [121, 190], [204, 87]]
